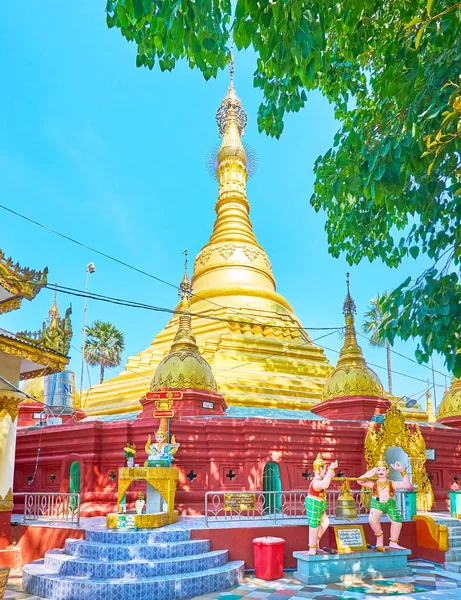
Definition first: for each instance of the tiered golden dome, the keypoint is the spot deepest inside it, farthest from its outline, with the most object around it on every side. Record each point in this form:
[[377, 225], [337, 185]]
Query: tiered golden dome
[[451, 403], [184, 367], [352, 376]]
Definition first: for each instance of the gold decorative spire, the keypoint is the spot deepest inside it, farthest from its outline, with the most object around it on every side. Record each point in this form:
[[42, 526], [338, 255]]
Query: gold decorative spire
[[53, 313], [351, 352], [184, 338], [352, 376], [233, 260], [184, 367], [429, 408]]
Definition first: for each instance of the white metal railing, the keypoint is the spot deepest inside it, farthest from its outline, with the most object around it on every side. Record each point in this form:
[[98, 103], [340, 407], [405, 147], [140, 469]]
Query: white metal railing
[[272, 506], [51, 506]]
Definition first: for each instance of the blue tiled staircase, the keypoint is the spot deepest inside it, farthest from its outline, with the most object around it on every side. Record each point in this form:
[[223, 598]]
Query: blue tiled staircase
[[128, 565]]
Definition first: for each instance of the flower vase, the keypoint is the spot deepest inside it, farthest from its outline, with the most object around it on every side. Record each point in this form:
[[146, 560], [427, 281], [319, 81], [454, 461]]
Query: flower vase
[[130, 462], [139, 506]]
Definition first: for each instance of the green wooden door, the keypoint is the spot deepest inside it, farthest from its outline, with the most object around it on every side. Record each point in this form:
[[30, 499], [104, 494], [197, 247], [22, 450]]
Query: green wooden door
[[272, 483], [74, 483]]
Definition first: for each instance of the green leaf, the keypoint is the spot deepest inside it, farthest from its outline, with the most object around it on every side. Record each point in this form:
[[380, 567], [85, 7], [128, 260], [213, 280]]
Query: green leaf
[[418, 37], [414, 251], [122, 15], [429, 6]]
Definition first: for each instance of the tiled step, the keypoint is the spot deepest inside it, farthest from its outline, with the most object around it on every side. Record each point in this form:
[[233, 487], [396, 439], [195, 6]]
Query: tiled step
[[137, 537], [453, 555], [40, 581], [454, 541], [94, 550], [64, 564], [453, 566], [449, 522]]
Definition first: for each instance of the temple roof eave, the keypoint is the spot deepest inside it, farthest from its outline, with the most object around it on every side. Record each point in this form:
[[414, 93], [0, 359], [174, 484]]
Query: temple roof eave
[[17, 283], [35, 360]]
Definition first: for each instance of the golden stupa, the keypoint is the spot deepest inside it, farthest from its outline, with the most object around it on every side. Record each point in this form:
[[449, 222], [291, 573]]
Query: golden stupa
[[451, 402], [184, 367], [352, 376], [256, 346]]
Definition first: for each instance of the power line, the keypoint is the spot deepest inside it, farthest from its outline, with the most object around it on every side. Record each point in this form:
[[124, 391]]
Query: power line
[[134, 304], [121, 262], [407, 357]]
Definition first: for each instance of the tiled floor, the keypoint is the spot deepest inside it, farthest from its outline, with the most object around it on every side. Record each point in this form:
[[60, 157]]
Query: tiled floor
[[427, 582]]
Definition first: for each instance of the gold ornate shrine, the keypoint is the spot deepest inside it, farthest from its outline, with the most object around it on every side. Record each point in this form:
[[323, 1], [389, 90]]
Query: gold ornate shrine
[[162, 479], [395, 432]]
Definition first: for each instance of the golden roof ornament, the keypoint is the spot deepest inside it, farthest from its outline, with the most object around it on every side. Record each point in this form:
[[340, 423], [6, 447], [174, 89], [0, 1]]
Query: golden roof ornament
[[53, 313], [352, 376], [231, 106], [55, 334], [184, 367]]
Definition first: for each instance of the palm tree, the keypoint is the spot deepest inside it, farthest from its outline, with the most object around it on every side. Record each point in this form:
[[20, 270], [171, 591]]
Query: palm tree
[[373, 321], [104, 345]]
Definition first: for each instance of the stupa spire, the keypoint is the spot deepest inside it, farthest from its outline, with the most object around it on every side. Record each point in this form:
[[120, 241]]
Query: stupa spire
[[184, 337], [233, 222], [429, 407], [351, 352]]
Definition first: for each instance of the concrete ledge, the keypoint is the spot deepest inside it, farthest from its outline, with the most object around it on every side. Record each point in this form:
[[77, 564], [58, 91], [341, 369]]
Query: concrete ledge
[[331, 568]]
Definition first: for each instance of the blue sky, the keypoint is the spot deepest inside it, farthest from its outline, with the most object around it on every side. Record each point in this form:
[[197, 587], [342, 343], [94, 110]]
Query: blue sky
[[115, 157]]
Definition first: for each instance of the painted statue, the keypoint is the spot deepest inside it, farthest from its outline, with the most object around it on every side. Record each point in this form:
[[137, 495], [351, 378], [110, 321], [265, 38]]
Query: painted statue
[[161, 451], [383, 501], [316, 502]]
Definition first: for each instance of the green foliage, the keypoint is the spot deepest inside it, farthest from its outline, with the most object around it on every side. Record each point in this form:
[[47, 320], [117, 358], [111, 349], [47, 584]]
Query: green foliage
[[104, 345], [391, 183], [374, 319]]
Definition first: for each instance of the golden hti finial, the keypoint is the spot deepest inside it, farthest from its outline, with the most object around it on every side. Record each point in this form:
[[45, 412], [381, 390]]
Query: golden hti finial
[[351, 351], [185, 288], [231, 108], [349, 307], [184, 337]]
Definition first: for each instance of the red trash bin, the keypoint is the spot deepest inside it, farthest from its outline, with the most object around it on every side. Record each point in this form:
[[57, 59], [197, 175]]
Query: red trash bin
[[268, 553]]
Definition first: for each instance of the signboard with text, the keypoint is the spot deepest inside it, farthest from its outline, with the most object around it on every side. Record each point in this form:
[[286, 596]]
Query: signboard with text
[[350, 538], [240, 501]]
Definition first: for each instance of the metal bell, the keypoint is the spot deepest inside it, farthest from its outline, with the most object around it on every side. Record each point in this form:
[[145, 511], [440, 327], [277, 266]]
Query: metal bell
[[345, 507]]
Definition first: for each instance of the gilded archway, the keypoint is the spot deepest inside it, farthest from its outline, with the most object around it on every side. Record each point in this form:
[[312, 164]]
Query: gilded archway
[[395, 432]]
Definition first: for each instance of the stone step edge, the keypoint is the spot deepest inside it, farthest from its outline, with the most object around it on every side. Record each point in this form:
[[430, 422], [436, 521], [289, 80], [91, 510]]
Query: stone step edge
[[79, 542], [124, 535], [60, 554], [34, 569]]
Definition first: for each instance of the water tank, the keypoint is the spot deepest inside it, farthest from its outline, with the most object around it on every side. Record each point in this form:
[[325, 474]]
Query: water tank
[[59, 390]]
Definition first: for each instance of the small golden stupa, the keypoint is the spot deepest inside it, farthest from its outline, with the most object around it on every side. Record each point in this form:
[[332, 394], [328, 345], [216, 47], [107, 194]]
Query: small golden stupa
[[184, 367], [352, 376]]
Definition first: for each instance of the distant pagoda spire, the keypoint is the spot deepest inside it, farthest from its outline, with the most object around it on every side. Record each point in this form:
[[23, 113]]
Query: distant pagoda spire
[[429, 407]]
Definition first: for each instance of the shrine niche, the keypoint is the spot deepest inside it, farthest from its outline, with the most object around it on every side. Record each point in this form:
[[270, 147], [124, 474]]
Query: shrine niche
[[395, 432]]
